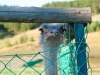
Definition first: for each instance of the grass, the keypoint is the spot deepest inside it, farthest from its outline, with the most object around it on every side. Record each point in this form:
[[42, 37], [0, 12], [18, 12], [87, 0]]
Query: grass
[[29, 42], [15, 66], [27, 71], [5, 34], [38, 69], [93, 41]]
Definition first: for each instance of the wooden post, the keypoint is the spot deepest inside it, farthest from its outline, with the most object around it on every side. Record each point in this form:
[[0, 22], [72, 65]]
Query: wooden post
[[81, 49], [45, 15]]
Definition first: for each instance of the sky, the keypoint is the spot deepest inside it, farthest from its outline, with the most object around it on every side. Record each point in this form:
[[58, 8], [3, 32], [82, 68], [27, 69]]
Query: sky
[[28, 3]]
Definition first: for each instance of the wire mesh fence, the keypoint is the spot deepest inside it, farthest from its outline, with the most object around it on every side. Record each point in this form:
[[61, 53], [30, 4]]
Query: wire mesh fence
[[13, 64]]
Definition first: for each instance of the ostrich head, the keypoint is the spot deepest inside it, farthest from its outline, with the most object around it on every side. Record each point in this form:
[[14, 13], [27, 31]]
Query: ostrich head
[[51, 34]]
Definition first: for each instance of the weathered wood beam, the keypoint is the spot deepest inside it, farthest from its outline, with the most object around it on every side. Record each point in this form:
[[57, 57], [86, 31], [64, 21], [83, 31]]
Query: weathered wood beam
[[47, 15]]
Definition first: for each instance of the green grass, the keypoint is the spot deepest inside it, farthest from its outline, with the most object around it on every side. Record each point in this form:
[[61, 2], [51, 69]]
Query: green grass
[[21, 71], [5, 34], [30, 71], [39, 68]]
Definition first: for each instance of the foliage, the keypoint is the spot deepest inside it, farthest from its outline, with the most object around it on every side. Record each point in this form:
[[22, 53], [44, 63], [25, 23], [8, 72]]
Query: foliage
[[5, 34], [2, 27], [18, 27], [94, 4], [16, 43], [31, 39], [8, 44], [94, 26], [23, 39]]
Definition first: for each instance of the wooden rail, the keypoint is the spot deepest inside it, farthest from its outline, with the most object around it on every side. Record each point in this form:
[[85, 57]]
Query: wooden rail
[[47, 15]]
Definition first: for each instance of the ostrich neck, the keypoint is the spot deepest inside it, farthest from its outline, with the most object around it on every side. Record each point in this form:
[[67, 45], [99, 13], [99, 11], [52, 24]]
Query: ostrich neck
[[50, 48], [51, 44], [51, 57]]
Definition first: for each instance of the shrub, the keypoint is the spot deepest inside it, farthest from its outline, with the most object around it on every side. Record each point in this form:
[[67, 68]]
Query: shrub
[[31, 39], [16, 43], [23, 39], [8, 44], [94, 26]]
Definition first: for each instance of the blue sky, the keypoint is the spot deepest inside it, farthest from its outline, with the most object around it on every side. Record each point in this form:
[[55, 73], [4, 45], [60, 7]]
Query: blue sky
[[37, 3]]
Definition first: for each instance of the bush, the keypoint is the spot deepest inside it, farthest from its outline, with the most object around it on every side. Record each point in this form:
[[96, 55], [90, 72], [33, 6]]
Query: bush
[[19, 27], [8, 44], [94, 26], [31, 39], [16, 43], [23, 39]]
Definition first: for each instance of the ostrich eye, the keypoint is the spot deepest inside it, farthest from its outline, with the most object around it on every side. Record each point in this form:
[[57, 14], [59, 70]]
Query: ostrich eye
[[62, 30], [41, 30]]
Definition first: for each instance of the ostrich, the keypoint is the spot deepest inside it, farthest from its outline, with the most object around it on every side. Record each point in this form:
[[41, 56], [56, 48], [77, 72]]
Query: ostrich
[[50, 38]]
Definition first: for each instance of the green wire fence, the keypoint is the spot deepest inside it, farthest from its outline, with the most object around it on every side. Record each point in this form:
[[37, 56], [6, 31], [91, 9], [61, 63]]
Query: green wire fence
[[66, 52]]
